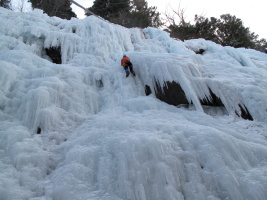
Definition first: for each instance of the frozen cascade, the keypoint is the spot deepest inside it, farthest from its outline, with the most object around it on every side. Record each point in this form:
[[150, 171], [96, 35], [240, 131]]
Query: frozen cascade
[[102, 137]]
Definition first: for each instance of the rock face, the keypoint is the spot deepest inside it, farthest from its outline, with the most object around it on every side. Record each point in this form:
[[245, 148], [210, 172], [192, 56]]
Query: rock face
[[55, 54], [215, 101], [173, 94], [245, 113], [200, 51]]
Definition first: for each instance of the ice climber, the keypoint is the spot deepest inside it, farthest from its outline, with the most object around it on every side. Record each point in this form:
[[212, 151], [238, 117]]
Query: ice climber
[[126, 63]]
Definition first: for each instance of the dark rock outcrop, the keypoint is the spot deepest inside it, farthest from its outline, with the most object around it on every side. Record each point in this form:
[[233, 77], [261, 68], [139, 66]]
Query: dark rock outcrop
[[200, 51], [173, 94], [212, 101], [245, 113], [55, 54], [39, 130], [147, 90]]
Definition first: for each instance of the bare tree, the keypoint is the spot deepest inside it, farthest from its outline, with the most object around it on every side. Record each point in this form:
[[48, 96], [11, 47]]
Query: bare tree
[[172, 18]]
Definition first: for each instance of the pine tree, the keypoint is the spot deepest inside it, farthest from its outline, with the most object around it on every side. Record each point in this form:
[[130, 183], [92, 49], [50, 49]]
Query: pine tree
[[59, 8], [142, 16], [134, 13], [227, 31], [231, 32], [100, 8], [110, 9]]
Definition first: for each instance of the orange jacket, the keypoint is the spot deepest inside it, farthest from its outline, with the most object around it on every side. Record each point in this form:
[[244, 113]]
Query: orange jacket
[[124, 59]]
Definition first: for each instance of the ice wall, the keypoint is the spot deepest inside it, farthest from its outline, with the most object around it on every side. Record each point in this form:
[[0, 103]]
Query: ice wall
[[170, 157], [98, 44], [101, 130]]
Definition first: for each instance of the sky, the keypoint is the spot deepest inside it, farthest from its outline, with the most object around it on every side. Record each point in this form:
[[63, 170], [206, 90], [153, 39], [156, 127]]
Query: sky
[[103, 138], [252, 13]]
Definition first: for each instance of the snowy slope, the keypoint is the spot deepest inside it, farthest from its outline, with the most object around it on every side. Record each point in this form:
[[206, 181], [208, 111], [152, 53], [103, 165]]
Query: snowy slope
[[102, 137]]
